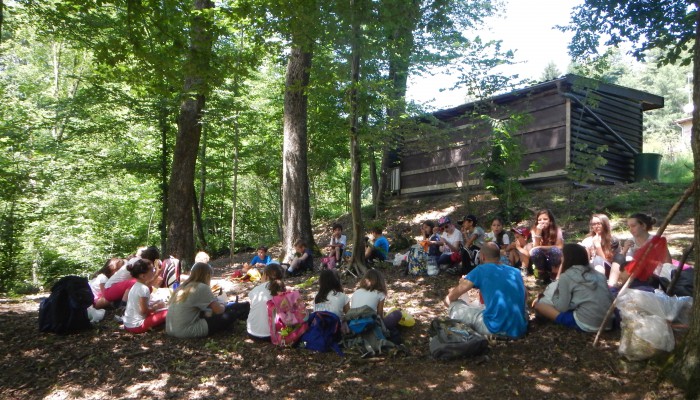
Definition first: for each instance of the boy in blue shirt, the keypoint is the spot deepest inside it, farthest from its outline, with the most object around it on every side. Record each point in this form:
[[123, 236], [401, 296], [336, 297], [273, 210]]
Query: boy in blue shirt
[[379, 249]]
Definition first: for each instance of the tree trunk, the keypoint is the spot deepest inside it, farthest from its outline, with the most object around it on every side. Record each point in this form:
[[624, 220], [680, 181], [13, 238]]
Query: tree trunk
[[357, 261], [401, 44], [180, 201], [232, 245], [296, 215], [374, 179], [684, 372], [198, 220], [163, 115]]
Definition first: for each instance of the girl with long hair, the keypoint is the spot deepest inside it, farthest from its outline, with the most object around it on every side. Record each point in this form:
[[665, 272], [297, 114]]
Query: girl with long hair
[[547, 242], [580, 298]]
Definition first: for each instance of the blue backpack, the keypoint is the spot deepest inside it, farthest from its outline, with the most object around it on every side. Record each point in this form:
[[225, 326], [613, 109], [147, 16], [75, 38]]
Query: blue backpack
[[323, 334]]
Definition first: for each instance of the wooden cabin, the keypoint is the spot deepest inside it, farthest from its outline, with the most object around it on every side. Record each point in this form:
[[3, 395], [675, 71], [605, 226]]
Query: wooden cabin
[[562, 113]]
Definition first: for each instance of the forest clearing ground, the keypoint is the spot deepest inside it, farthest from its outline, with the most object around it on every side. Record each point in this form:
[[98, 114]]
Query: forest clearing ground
[[550, 362]]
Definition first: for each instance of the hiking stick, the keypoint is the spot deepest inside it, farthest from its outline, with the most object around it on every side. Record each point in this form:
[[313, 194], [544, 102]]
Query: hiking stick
[[684, 258], [671, 213]]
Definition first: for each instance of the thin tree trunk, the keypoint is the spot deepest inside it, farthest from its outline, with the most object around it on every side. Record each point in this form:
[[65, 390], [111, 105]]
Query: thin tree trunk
[[234, 197], [296, 215], [685, 368], [374, 179], [199, 225], [163, 115], [357, 261], [180, 201]]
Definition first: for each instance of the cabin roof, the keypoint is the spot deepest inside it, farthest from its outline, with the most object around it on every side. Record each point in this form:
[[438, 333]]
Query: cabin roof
[[647, 100]]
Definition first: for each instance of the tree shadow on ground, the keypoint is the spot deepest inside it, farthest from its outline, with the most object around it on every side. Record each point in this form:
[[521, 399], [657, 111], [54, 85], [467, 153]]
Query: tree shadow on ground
[[550, 362]]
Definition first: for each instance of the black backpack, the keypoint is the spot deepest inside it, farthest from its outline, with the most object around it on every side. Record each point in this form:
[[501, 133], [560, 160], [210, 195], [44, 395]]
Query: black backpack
[[451, 339], [65, 310]]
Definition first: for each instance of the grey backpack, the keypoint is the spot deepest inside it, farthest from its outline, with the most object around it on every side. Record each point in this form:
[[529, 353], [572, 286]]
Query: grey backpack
[[451, 339], [366, 333]]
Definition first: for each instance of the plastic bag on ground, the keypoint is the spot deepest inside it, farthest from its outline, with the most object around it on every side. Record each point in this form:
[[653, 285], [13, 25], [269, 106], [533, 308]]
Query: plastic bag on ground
[[646, 322]]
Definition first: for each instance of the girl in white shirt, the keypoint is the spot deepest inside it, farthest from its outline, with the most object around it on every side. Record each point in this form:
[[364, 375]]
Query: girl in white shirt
[[257, 325], [372, 293], [330, 296], [97, 284], [140, 314]]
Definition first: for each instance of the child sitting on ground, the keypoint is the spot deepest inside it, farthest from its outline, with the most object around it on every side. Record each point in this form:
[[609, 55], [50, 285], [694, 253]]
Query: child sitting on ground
[[257, 324], [372, 293], [378, 249], [190, 300], [303, 261], [330, 296], [519, 250], [580, 298], [500, 237], [140, 314], [97, 284], [335, 247]]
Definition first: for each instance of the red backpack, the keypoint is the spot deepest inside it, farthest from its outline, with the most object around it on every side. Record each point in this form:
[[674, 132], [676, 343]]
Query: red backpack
[[286, 312]]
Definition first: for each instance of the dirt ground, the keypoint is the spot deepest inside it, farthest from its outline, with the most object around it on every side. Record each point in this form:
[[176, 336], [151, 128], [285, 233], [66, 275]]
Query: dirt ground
[[551, 362]]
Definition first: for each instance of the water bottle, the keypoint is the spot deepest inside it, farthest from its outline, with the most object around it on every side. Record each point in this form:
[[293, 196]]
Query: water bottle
[[432, 266]]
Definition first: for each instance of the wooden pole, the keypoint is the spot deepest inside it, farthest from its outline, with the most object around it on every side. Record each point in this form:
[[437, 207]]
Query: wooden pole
[[671, 213]]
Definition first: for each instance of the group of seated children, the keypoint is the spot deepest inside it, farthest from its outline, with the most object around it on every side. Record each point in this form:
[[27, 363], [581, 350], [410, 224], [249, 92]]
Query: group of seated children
[[581, 278], [372, 292]]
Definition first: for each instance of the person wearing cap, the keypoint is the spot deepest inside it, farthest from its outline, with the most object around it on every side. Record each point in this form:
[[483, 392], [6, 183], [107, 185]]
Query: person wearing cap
[[503, 293], [450, 241], [519, 250]]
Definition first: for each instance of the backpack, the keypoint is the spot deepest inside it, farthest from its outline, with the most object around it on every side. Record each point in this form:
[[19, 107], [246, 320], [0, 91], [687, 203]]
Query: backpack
[[417, 261], [367, 333], [285, 314], [451, 339], [323, 334], [65, 310]]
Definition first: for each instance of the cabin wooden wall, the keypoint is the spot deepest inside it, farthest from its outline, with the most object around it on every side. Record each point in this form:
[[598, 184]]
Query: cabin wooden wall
[[623, 116], [448, 158]]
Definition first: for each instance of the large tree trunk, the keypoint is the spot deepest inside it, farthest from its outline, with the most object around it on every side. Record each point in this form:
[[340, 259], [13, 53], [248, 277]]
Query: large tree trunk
[[401, 44], [180, 201], [358, 244], [685, 370], [296, 215]]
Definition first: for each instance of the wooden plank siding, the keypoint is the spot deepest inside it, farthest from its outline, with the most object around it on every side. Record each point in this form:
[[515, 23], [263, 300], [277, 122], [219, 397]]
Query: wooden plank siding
[[448, 157]]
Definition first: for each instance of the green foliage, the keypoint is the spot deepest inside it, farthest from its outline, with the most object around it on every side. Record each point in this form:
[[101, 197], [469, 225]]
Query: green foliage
[[550, 72], [503, 168], [52, 266], [677, 170], [667, 25], [586, 159]]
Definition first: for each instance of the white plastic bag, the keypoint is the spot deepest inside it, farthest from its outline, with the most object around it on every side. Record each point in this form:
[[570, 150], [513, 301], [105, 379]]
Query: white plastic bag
[[95, 315], [398, 258], [646, 322]]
